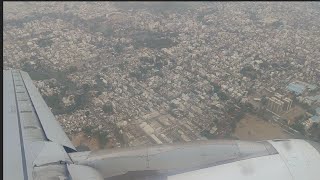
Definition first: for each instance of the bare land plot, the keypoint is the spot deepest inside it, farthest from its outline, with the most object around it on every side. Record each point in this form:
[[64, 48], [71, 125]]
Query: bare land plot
[[253, 128]]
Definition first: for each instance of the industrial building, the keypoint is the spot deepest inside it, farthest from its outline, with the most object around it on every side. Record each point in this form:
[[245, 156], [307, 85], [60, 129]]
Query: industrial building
[[299, 87], [296, 88]]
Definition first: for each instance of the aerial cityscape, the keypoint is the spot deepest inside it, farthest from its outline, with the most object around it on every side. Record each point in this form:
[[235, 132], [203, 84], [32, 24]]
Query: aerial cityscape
[[123, 74]]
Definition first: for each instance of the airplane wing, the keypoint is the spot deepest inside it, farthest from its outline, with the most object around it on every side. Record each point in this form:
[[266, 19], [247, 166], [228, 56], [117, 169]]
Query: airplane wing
[[36, 147]]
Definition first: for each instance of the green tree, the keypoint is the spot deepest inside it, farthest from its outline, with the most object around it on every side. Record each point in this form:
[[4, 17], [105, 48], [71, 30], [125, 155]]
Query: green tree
[[173, 106], [108, 108], [207, 134], [53, 102], [223, 96], [299, 127], [118, 48], [87, 130], [264, 100], [72, 69], [98, 93], [102, 137], [86, 87], [217, 88]]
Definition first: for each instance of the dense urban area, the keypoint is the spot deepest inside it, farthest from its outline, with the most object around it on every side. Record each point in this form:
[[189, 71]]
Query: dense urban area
[[119, 74]]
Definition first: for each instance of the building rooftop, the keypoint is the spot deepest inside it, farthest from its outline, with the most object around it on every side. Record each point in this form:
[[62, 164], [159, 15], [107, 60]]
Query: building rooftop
[[314, 98], [296, 88], [315, 119]]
